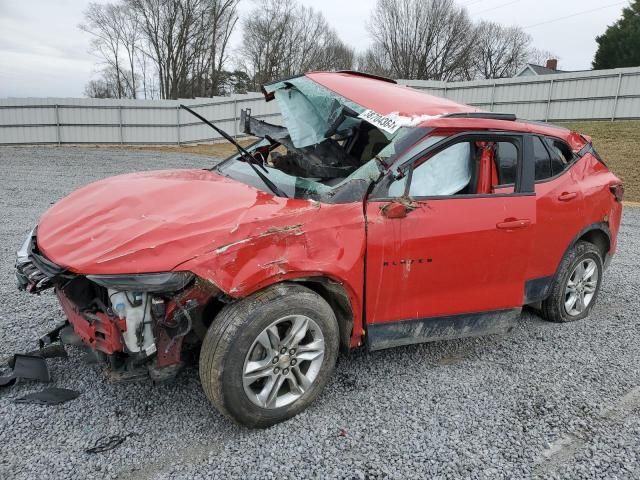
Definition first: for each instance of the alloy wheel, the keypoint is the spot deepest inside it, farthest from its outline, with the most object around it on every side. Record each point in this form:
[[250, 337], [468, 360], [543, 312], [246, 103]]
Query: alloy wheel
[[581, 287], [283, 362]]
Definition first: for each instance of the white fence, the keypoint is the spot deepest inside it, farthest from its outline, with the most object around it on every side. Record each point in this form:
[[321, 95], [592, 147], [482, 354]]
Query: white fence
[[590, 95], [67, 120], [597, 95]]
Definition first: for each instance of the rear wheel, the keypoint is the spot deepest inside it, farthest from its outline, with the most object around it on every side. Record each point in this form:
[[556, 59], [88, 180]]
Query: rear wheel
[[267, 357], [576, 286]]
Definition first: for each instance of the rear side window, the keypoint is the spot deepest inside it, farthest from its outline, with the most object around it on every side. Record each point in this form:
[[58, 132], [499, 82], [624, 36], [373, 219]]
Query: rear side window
[[561, 155], [506, 160], [541, 159]]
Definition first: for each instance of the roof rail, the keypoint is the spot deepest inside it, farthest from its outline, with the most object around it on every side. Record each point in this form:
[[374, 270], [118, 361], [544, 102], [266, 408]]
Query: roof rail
[[486, 115], [368, 75]]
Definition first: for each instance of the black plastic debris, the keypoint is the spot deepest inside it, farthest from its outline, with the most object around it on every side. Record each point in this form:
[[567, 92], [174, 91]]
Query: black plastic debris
[[48, 396], [52, 336], [106, 443], [28, 367], [55, 350]]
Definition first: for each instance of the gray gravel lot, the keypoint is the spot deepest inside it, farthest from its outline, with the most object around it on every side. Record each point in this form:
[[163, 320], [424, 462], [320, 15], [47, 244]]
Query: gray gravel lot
[[548, 401]]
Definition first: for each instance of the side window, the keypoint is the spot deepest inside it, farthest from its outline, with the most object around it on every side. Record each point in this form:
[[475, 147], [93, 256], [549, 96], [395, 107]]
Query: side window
[[541, 160], [561, 155], [506, 161], [446, 173]]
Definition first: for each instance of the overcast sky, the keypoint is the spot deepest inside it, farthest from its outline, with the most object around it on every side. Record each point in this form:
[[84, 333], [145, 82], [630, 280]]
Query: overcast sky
[[44, 54]]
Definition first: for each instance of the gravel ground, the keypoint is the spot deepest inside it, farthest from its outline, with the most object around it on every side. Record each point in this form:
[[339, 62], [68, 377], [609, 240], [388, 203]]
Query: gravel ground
[[546, 401]]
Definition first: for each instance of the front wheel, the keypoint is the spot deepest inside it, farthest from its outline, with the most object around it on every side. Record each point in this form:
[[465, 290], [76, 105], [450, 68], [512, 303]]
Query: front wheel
[[576, 286], [267, 357]]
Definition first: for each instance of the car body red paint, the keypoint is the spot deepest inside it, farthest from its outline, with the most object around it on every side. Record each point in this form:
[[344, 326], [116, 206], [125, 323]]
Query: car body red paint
[[444, 257]]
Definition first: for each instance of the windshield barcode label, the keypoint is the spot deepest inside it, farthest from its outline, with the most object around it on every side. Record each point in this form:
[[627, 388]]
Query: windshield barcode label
[[387, 124]]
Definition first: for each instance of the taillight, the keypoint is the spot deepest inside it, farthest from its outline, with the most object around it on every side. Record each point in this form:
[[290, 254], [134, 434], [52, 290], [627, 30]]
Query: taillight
[[618, 191]]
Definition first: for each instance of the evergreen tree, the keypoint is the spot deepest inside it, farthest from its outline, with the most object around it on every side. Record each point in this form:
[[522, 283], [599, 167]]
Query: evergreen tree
[[619, 46]]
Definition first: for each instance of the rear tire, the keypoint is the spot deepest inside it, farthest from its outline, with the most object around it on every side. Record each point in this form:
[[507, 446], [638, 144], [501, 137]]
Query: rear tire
[[576, 286], [265, 358]]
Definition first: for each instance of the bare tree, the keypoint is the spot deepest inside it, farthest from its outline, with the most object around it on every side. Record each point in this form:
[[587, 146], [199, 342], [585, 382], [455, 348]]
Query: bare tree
[[99, 89], [540, 57], [181, 44], [420, 39], [102, 22], [282, 38], [375, 62], [499, 51], [224, 17]]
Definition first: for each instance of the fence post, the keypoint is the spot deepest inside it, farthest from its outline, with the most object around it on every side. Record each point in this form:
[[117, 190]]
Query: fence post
[[615, 101], [546, 115], [57, 124], [493, 96], [120, 123], [235, 118], [178, 123]]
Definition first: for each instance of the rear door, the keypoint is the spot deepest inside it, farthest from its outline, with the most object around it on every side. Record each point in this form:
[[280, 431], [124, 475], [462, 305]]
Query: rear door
[[560, 210], [449, 260]]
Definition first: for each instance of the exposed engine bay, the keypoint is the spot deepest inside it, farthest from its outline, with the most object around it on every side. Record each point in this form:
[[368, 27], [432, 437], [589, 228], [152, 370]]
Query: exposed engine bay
[[138, 326]]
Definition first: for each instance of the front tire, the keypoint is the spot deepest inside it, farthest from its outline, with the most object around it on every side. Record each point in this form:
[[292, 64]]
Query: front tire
[[265, 358], [575, 289]]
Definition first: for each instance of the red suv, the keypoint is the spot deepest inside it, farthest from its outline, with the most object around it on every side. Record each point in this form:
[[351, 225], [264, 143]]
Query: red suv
[[375, 215]]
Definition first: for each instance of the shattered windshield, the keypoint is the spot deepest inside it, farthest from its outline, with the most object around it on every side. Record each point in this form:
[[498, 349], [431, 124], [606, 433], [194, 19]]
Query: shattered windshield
[[328, 149]]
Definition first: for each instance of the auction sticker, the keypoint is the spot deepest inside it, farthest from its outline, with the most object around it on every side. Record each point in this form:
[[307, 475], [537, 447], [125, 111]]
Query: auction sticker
[[388, 124]]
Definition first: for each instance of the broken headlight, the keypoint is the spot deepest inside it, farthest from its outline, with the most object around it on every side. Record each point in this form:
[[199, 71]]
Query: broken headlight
[[145, 282], [22, 255]]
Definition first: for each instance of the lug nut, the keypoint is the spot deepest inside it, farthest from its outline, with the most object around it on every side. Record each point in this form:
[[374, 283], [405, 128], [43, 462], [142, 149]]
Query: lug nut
[[292, 351], [293, 362], [283, 350], [285, 371], [276, 370], [275, 360]]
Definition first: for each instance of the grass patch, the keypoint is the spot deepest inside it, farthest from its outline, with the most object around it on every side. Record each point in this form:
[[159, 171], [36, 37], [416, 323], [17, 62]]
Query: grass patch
[[618, 143]]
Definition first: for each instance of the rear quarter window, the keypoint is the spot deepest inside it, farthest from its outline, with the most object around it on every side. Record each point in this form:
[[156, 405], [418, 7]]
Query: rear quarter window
[[561, 155]]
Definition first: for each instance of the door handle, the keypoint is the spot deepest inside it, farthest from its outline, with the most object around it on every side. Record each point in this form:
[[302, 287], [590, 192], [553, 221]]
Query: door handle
[[566, 196], [513, 223]]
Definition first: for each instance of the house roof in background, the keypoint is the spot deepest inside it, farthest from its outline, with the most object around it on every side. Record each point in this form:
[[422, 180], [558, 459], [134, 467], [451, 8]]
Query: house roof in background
[[539, 70]]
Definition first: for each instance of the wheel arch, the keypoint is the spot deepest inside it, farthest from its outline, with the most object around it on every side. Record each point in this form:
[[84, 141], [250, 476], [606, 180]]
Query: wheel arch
[[598, 234], [337, 294]]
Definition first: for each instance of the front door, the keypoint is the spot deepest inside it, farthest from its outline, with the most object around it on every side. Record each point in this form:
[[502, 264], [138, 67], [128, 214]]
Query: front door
[[451, 264]]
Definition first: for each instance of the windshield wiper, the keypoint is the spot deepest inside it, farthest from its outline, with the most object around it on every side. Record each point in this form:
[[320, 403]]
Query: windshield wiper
[[242, 151]]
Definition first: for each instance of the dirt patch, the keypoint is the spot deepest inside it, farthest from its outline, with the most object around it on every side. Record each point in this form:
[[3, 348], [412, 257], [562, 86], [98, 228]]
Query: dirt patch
[[218, 150], [618, 143]]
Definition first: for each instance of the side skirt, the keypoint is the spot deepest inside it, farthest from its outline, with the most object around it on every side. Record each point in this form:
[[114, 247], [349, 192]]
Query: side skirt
[[407, 332]]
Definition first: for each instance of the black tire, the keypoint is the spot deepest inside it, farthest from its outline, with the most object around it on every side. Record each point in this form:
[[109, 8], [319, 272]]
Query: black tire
[[231, 336], [553, 307]]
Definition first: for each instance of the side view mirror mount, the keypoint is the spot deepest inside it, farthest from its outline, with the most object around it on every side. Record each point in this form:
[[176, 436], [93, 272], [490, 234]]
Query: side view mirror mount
[[397, 208]]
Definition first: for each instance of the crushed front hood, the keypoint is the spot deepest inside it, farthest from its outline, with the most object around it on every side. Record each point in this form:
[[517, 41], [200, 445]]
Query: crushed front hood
[[155, 221]]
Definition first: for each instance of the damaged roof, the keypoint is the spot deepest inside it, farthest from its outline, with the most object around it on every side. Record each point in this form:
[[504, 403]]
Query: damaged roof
[[386, 97], [410, 107]]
